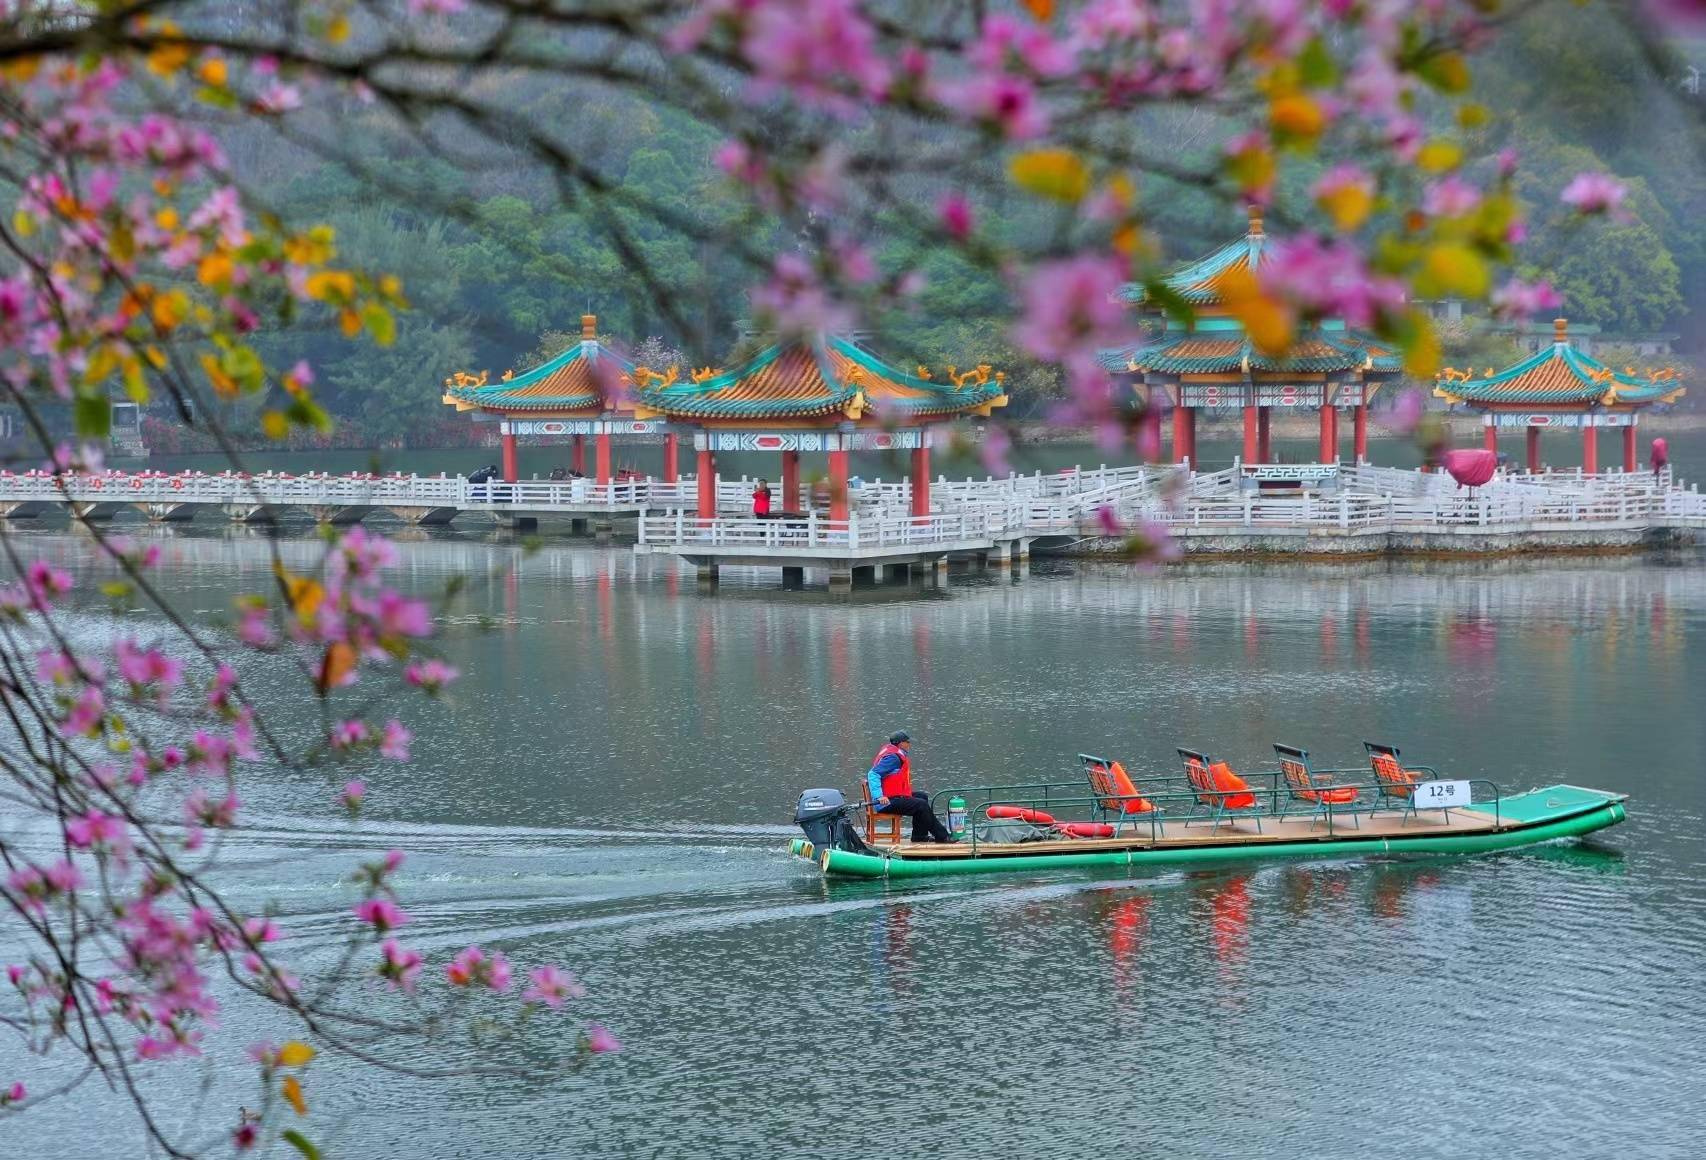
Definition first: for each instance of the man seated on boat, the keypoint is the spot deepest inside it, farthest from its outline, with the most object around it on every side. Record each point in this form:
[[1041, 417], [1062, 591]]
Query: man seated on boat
[[890, 783]]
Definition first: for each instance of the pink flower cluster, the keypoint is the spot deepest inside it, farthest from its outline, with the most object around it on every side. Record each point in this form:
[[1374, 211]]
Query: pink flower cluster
[[1329, 279]]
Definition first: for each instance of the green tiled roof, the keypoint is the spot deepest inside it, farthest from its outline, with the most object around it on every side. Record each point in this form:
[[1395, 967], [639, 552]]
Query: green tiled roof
[[1559, 375]]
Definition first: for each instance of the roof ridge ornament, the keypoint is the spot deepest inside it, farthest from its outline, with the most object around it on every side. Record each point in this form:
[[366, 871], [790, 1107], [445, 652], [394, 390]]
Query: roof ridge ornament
[[1560, 332]]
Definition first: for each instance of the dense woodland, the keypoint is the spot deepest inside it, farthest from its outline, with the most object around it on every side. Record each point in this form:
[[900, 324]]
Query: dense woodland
[[499, 269]]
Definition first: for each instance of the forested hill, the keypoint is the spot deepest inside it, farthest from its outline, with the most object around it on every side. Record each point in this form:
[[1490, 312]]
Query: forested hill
[[499, 269]]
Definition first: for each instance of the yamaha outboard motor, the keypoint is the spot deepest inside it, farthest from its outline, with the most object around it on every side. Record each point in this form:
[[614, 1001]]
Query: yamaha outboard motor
[[823, 815]]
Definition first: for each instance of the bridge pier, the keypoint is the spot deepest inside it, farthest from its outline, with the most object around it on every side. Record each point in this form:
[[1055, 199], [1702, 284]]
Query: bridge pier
[[160, 513], [579, 526], [22, 510], [101, 511], [337, 515], [708, 574], [424, 516], [793, 578], [247, 513], [519, 523]]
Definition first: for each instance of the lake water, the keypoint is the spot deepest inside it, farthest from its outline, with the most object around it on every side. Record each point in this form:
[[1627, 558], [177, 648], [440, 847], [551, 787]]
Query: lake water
[[610, 789]]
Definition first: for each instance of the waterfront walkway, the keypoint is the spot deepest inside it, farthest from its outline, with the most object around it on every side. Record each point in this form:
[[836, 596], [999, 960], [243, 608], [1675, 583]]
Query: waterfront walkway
[[1309, 509]]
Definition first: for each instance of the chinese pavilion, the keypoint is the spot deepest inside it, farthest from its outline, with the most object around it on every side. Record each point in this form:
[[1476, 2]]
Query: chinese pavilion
[[825, 394], [1560, 386], [1210, 363], [576, 394]]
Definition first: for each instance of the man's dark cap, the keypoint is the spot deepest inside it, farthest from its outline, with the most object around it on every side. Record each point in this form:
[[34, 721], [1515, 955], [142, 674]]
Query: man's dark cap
[[897, 737]]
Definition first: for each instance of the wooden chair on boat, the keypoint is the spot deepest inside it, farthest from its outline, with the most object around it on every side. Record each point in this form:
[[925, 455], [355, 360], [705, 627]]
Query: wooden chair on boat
[[1395, 782], [1218, 790], [879, 827], [1316, 790], [1116, 794]]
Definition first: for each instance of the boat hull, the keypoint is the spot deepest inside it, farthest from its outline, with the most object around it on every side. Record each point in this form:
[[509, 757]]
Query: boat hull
[[1535, 821]]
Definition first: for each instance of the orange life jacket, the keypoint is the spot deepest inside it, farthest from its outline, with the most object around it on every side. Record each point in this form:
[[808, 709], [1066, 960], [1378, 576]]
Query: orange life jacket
[[898, 782]]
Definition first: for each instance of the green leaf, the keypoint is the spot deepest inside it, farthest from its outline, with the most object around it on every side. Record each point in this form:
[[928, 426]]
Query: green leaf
[[93, 416], [301, 1143], [379, 323], [1316, 67], [1170, 301]]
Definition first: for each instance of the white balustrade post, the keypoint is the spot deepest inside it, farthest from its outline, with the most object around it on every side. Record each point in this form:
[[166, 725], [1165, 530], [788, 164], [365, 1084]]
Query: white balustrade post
[[1344, 511]]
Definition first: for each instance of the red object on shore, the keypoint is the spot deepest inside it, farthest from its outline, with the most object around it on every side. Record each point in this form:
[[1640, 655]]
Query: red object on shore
[[1471, 468]]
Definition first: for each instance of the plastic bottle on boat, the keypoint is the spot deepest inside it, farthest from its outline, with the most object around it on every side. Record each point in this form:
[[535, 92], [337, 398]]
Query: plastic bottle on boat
[[957, 817]]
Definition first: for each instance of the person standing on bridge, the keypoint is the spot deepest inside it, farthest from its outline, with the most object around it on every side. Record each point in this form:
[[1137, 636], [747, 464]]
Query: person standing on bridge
[[761, 501], [890, 783]]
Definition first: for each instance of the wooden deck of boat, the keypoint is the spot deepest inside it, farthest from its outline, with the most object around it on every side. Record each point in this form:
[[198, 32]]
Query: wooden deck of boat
[[1176, 833]]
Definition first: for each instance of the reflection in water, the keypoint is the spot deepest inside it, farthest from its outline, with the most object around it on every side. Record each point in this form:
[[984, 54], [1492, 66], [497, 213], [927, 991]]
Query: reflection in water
[[610, 784]]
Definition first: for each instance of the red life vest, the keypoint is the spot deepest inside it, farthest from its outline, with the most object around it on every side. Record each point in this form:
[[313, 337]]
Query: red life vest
[[761, 501], [897, 783]]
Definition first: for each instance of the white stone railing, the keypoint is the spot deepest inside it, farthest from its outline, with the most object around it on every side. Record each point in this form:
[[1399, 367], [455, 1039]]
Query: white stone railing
[[809, 534]]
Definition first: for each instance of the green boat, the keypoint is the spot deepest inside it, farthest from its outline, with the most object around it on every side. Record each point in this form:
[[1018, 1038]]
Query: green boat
[[1207, 815]]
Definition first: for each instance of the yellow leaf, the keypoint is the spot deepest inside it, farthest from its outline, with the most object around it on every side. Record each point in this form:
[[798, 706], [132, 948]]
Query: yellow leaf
[[1042, 9], [1059, 174], [274, 425], [349, 322], [1297, 116], [21, 69], [155, 356], [223, 384], [305, 597], [295, 1053], [166, 217], [1473, 116], [291, 1089], [1421, 351], [168, 310], [23, 224], [215, 270], [1252, 169], [1269, 323], [1348, 205], [168, 57], [1439, 157], [213, 72], [337, 664], [1452, 269], [338, 30], [331, 286]]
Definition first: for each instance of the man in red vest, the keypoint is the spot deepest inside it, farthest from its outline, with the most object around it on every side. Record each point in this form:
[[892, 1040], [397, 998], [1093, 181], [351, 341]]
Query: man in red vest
[[890, 783]]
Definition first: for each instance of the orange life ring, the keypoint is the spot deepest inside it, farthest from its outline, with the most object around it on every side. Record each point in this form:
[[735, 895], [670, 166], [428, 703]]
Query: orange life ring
[[1021, 814]]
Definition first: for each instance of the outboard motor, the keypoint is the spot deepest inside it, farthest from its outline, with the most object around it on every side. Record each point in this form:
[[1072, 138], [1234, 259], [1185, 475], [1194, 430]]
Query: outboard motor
[[823, 815]]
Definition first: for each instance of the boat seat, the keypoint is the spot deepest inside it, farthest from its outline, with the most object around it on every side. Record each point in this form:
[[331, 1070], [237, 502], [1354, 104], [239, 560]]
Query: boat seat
[[1396, 781], [1115, 793], [1316, 790], [879, 827], [1219, 791]]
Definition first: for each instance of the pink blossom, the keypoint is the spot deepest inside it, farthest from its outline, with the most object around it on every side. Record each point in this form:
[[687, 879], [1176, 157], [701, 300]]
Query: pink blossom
[[95, 829], [955, 214], [1519, 299], [1109, 521], [1450, 197], [348, 734], [151, 667], [1595, 193], [550, 986], [473, 965], [1006, 42], [431, 675], [435, 7], [353, 795], [244, 1136], [822, 51], [796, 302], [402, 616], [381, 914], [87, 713], [399, 966], [395, 743], [1329, 279], [1407, 411], [599, 1041], [1008, 104], [14, 1094], [45, 581]]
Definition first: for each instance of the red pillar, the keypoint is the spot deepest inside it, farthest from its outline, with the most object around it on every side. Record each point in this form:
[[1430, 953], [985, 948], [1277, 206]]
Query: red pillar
[[791, 481], [1631, 458], [838, 485], [1182, 424], [1329, 444], [577, 456], [671, 464], [603, 458], [1250, 436], [1590, 449], [511, 471], [1534, 449], [1490, 438], [1264, 434], [707, 482], [1360, 438], [921, 481]]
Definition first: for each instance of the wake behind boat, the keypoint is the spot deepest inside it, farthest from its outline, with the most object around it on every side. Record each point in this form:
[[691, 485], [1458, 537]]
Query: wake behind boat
[[1206, 813]]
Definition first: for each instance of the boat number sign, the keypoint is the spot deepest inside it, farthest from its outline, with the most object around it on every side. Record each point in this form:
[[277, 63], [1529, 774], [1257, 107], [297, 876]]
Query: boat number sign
[[1440, 795]]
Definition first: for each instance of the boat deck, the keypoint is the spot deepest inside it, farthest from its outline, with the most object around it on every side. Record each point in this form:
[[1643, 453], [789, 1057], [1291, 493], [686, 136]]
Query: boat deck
[[1242, 831]]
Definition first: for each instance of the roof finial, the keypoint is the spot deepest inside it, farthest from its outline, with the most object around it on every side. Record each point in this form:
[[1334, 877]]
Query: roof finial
[[1255, 220], [589, 327], [1560, 331]]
